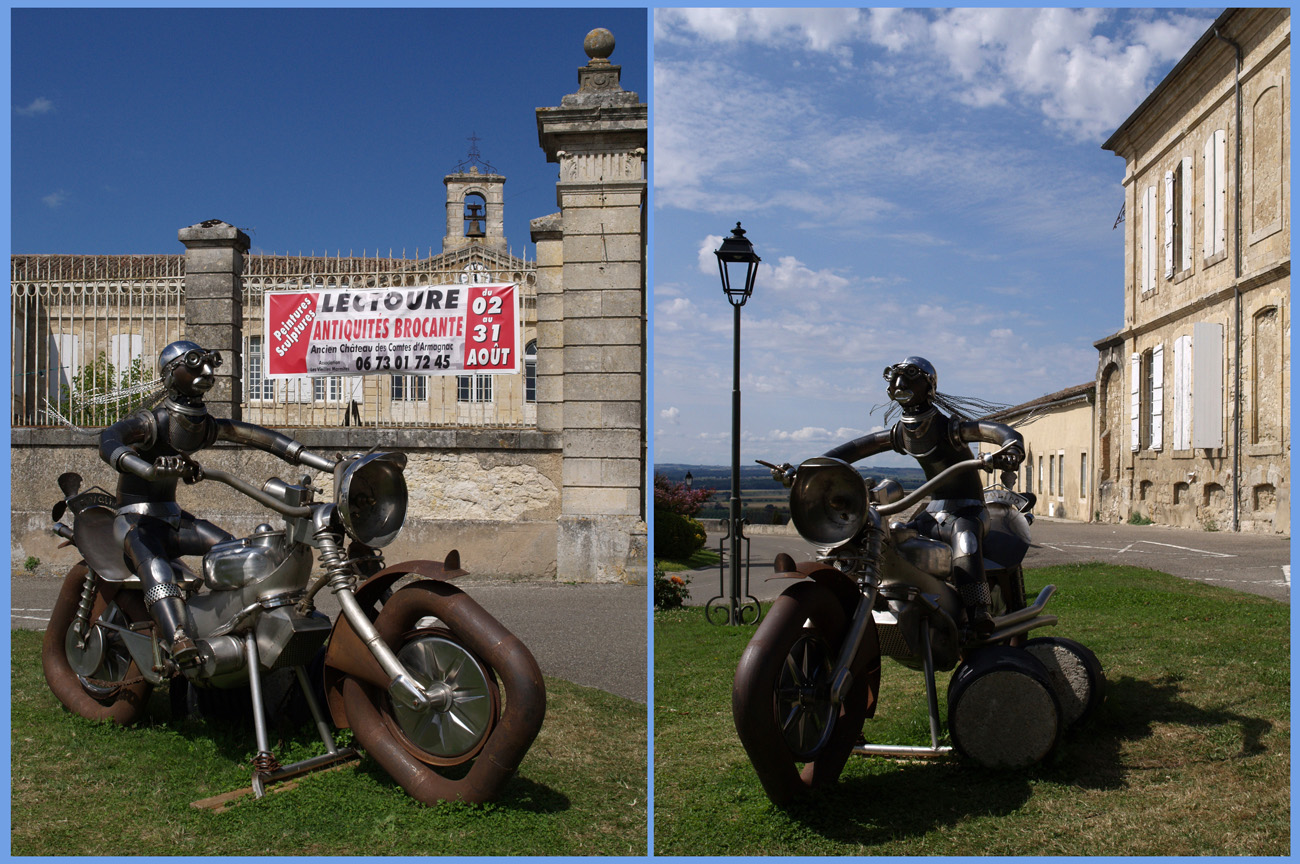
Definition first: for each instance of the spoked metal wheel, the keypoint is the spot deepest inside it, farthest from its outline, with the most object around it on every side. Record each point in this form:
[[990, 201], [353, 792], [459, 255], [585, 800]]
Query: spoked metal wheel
[[803, 696], [91, 673], [466, 701], [780, 699], [99, 657]]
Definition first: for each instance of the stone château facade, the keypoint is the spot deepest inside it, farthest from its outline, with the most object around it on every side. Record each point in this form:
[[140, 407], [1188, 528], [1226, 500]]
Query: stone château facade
[[1194, 392]]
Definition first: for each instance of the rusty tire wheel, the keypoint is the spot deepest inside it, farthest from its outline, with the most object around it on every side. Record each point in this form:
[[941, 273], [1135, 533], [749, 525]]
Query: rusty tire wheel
[[121, 704], [780, 699], [461, 656]]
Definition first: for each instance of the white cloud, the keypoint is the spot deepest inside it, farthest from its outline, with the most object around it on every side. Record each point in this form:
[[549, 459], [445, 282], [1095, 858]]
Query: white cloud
[[671, 414], [815, 433], [1059, 62], [817, 30], [1083, 70], [55, 199], [39, 105]]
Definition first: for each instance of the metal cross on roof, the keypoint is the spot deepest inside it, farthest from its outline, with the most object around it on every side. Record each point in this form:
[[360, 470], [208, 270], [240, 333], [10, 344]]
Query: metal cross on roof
[[475, 158]]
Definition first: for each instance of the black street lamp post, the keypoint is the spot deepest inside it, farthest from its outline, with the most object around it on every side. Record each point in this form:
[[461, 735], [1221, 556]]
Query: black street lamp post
[[736, 255]]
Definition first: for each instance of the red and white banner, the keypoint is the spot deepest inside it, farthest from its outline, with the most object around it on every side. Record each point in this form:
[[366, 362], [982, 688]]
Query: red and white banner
[[425, 330]]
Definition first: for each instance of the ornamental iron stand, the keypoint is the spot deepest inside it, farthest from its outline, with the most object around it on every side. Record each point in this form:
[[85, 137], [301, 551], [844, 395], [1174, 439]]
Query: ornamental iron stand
[[739, 252]]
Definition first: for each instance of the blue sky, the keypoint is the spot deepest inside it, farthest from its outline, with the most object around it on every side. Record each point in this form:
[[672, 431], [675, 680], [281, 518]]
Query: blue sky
[[916, 182], [312, 129]]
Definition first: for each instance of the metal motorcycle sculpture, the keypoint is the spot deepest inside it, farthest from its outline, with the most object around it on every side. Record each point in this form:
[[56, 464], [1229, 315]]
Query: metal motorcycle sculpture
[[810, 676], [412, 671]]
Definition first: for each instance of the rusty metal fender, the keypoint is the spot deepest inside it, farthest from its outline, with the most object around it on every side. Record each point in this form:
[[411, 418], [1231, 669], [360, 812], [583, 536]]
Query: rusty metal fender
[[347, 654], [844, 589]]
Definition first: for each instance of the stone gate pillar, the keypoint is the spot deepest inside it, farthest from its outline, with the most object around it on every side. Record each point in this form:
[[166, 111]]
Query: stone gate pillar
[[598, 136], [214, 305]]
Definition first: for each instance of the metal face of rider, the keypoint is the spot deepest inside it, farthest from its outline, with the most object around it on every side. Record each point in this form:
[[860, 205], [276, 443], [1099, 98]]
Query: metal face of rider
[[911, 383]]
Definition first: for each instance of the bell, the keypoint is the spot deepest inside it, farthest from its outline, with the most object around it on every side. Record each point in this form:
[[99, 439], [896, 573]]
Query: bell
[[475, 229]]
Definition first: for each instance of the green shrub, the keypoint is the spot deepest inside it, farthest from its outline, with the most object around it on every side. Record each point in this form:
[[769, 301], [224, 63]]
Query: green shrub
[[677, 537]]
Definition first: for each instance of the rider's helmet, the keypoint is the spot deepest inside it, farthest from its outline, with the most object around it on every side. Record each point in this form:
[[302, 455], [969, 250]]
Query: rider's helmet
[[913, 371], [180, 366]]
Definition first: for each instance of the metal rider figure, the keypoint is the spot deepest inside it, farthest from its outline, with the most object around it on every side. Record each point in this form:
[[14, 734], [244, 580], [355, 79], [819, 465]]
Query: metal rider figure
[[956, 514], [151, 450]]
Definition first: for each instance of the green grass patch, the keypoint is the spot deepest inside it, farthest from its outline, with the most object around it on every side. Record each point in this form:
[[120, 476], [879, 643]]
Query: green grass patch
[[700, 559], [1188, 756], [80, 788]]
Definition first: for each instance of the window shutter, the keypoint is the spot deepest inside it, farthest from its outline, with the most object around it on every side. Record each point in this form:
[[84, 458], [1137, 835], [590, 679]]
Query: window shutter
[[1157, 397], [1185, 183], [1176, 421], [1207, 385], [1220, 190], [1169, 224], [1182, 397], [1135, 406]]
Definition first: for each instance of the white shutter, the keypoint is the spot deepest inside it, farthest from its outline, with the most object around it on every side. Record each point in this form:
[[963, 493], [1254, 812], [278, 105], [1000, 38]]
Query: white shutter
[[1157, 397], [1207, 247], [1182, 397], [1220, 190], [1185, 186], [1169, 224], [122, 349], [1149, 260], [64, 364], [1176, 421], [1207, 385], [1135, 405]]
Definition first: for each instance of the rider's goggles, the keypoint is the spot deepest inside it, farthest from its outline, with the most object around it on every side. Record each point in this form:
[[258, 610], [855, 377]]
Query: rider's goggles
[[196, 357], [907, 370]]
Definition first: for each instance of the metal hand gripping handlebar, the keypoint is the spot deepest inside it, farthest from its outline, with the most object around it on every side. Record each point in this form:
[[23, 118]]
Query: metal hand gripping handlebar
[[913, 497]]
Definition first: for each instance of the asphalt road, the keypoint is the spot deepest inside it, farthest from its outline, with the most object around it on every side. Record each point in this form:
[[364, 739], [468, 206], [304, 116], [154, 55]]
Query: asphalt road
[[593, 635], [1244, 562]]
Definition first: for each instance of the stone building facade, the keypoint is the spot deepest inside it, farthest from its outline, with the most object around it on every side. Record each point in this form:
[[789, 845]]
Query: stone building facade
[[1193, 394], [1058, 465], [547, 483]]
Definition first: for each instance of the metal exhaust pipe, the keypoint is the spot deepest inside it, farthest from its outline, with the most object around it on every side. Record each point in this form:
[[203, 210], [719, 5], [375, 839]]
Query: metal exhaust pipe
[[901, 751]]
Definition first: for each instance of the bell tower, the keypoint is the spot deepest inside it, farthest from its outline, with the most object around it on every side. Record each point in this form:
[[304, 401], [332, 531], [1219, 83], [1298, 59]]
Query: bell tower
[[475, 204]]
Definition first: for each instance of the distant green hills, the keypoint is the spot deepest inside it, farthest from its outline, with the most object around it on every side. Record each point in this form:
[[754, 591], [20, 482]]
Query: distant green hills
[[758, 478], [764, 501]]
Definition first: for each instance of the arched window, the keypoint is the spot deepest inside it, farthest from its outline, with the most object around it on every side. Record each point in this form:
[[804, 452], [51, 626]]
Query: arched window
[[530, 371]]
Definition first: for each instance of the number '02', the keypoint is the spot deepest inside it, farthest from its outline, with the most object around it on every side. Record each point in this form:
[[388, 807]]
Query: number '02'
[[490, 305]]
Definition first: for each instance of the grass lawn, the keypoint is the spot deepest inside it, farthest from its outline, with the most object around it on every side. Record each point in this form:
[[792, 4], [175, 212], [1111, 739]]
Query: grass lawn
[[699, 558], [83, 788], [1188, 756]]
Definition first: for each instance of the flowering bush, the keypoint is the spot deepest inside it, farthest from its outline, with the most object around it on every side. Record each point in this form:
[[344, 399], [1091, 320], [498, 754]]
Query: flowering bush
[[670, 591], [676, 498]]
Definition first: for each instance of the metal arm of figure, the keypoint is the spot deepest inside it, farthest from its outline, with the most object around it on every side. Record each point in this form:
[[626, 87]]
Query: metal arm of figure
[[999, 434], [275, 443]]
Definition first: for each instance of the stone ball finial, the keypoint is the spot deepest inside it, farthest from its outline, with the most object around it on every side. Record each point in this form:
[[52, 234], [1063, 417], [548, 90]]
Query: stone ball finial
[[599, 44]]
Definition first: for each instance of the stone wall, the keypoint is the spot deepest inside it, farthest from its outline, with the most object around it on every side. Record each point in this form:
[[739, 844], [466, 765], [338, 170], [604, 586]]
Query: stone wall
[[492, 495]]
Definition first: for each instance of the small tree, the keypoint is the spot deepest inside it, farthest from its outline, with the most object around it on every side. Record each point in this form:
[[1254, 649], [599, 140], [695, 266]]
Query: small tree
[[89, 398]]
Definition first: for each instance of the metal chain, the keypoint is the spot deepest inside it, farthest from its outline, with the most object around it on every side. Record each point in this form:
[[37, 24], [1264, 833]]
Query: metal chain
[[114, 686]]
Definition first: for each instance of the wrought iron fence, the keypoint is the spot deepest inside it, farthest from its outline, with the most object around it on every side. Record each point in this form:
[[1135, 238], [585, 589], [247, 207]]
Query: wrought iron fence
[[86, 330]]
